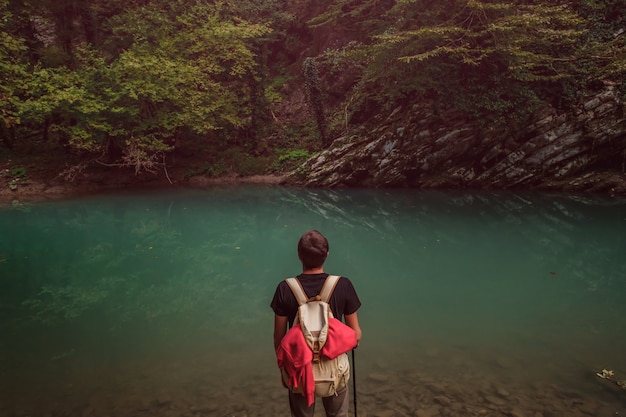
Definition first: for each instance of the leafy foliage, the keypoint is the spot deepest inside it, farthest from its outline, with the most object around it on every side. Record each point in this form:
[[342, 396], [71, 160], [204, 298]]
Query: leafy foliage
[[129, 79], [13, 72], [366, 17], [492, 60], [17, 176], [166, 69], [290, 158]]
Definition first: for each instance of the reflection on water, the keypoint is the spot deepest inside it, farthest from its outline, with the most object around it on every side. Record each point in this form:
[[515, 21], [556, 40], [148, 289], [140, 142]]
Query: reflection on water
[[159, 303]]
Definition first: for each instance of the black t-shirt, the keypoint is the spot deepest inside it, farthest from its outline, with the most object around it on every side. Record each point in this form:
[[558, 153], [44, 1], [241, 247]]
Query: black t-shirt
[[343, 301]]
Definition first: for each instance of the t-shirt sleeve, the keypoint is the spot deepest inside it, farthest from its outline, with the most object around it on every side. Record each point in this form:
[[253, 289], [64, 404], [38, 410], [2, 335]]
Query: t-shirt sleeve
[[278, 303], [352, 302]]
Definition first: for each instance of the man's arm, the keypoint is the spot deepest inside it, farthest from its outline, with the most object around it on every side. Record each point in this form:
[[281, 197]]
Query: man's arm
[[352, 321], [280, 329]]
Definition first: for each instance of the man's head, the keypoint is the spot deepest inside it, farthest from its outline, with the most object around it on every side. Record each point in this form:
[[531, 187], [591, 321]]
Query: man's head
[[312, 249]]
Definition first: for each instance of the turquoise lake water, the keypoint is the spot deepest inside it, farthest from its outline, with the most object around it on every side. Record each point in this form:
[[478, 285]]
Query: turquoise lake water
[[147, 302]]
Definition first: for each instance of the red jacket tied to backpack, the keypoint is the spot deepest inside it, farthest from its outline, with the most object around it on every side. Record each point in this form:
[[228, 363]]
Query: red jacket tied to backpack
[[295, 356], [341, 339]]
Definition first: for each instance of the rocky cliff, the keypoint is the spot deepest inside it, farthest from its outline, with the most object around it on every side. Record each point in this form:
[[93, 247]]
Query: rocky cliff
[[584, 150]]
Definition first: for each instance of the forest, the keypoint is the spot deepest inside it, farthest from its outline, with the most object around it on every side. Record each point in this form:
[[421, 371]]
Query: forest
[[258, 86]]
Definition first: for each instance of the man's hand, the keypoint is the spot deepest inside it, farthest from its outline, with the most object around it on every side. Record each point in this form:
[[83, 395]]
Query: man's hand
[[352, 320]]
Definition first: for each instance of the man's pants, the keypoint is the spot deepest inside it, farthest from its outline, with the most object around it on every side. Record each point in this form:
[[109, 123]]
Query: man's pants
[[335, 405]]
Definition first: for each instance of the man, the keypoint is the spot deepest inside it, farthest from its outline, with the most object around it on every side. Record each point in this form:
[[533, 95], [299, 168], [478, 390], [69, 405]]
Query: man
[[344, 303]]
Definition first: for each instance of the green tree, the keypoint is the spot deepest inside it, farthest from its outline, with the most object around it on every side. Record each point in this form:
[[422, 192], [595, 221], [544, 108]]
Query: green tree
[[166, 69], [492, 60], [606, 48], [13, 72]]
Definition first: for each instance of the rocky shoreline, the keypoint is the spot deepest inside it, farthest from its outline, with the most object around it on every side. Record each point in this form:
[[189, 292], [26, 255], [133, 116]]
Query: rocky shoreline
[[578, 151], [610, 185]]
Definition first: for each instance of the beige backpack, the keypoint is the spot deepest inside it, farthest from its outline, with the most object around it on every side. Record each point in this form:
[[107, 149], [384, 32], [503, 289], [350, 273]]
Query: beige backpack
[[313, 315]]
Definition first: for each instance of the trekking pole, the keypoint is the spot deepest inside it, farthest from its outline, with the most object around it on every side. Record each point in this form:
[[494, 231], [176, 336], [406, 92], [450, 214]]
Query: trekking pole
[[354, 381]]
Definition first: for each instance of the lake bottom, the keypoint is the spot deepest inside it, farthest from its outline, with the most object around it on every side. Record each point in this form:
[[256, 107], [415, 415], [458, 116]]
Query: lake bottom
[[428, 382]]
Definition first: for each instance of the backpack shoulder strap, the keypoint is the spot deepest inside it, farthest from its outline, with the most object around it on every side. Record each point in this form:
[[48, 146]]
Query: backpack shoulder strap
[[297, 290], [329, 287], [325, 293]]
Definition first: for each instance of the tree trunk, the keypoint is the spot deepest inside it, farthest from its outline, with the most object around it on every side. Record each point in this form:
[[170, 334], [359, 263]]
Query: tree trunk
[[7, 137]]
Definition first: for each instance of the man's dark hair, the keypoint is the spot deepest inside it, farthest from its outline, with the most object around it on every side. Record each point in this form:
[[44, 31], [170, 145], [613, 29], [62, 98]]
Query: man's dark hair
[[312, 249]]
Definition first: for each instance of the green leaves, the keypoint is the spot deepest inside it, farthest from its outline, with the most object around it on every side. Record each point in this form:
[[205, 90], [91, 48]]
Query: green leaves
[[149, 73], [12, 72], [16, 176], [166, 67], [185, 72], [481, 57]]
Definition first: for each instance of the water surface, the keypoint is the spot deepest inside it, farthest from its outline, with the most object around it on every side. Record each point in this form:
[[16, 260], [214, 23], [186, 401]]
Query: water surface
[[158, 303]]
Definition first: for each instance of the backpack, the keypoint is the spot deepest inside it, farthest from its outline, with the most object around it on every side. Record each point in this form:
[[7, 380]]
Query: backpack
[[313, 317]]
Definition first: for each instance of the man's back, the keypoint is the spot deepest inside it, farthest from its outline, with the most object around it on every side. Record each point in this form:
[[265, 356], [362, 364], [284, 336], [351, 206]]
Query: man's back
[[344, 303]]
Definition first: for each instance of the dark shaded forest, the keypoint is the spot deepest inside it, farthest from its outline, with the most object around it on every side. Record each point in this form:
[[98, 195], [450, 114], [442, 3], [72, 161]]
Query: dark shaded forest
[[254, 87]]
